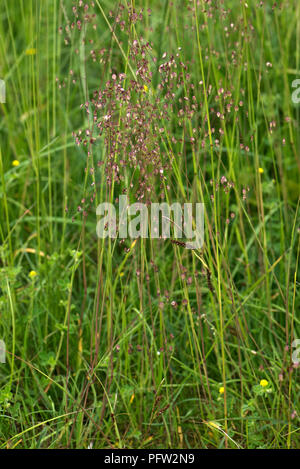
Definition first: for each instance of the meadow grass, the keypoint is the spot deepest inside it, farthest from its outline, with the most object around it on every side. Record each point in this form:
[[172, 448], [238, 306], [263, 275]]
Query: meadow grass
[[146, 344]]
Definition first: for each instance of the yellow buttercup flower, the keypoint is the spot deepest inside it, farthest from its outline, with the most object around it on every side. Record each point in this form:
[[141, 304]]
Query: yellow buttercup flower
[[221, 390], [31, 51], [32, 274], [260, 170], [264, 383], [146, 88], [15, 163]]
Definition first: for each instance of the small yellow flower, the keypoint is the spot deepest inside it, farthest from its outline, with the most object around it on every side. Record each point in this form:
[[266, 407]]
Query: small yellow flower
[[260, 170], [146, 88], [32, 274], [31, 51], [213, 424], [131, 399], [15, 163], [264, 383], [133, 244], [221, 390]]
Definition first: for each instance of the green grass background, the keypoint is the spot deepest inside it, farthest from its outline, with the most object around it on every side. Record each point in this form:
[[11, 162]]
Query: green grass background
[[93, 358]]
